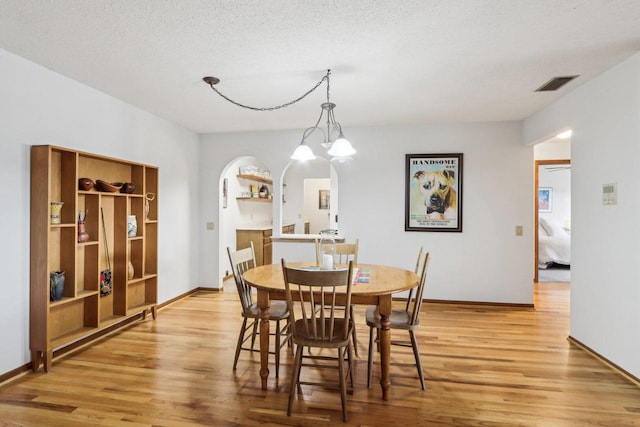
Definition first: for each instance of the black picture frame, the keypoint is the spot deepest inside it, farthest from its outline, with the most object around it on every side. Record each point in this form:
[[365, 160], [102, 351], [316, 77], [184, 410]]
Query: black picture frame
[[433, 192]]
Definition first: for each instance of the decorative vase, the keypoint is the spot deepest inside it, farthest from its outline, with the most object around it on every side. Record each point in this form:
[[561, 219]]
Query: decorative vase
[[148, 197], [56, 285], [327, 249], [130, 271], [83, 236], [127, 188], [56, 207], [132, 226], [85, 184]]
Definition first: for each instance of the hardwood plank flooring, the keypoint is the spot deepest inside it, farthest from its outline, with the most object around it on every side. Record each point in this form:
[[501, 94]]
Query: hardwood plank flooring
[[484, 365]]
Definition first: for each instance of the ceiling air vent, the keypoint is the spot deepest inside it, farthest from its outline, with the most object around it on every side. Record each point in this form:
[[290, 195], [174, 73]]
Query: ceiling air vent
[[555, 83]]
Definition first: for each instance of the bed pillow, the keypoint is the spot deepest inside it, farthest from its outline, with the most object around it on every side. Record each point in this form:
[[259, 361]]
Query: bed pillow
[[541, 230], [552, 228]]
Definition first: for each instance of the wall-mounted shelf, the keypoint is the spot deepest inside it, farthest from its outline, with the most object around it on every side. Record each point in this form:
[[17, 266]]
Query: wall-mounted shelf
[[255, 199], [255, 178]]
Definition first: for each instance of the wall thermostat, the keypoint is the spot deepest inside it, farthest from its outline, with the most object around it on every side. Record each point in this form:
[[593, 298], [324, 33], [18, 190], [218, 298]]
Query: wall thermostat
[[609, 194]]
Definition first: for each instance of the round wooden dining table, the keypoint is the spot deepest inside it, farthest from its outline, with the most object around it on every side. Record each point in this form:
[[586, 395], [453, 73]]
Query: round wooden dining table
[[373, 285]]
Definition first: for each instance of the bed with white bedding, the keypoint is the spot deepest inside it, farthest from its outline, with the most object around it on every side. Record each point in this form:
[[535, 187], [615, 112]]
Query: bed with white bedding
[[554, 244]]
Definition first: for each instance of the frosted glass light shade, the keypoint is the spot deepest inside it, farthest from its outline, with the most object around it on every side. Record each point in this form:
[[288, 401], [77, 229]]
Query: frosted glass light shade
[[341, 148], [303, 153]]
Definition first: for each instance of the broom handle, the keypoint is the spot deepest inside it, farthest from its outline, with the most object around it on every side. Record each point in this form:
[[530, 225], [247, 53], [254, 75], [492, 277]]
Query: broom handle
[[104, 230]]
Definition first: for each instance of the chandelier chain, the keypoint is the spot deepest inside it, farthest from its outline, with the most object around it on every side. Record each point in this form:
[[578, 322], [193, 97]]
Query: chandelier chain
[[277, 107]]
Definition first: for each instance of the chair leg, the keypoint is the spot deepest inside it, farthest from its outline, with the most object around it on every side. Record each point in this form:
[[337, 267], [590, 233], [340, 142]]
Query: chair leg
[[416, 353], [370, 358], [277, 349], [350, 356], [289, 335], [239, 345], [354, 335], [299, 371], [295, 376], [343, 385], [254, 333]]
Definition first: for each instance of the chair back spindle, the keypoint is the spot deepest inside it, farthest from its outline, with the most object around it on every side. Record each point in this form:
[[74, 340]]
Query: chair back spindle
[[418, 270], [415, 304]]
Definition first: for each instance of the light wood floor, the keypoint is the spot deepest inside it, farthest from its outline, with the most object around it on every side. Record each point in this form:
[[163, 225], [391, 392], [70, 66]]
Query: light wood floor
[[486, 366]]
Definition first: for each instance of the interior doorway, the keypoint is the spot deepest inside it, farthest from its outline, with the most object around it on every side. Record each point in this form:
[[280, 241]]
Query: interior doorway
[[552, 239]]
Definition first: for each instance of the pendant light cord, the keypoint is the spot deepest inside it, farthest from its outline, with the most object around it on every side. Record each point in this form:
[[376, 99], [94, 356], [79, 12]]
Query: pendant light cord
[[277, 107]]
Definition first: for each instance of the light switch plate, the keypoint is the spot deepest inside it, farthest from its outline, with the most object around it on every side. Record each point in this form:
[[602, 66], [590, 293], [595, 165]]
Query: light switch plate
[[518, 230], [211, 226]]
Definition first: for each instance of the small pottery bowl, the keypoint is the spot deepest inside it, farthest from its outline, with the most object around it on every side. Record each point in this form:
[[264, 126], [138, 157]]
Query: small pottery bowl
[[127, 187], [106, 187], [85, 184]]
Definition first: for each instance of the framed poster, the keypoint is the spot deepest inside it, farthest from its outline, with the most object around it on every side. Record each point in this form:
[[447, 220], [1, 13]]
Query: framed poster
[[545, 199], [433, 192], [323, 199]]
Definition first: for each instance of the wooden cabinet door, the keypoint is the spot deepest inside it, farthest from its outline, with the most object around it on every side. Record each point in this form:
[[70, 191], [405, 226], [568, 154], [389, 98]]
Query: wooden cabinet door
[[267, 252]]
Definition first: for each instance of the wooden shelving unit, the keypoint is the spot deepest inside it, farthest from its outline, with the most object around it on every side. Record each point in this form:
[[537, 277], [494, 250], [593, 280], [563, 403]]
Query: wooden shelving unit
[[54, 247]]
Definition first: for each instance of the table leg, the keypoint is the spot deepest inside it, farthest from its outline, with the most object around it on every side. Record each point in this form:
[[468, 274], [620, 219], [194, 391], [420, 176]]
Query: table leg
[[264, 303], [384, 307]]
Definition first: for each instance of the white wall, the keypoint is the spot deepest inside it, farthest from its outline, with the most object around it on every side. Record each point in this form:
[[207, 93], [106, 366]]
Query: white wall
[[293, 191], [605, 293], [486, 262], [38, 106], [554, 150]]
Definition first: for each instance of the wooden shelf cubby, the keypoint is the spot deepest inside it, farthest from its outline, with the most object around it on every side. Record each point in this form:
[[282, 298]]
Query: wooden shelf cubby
[[82, 311]]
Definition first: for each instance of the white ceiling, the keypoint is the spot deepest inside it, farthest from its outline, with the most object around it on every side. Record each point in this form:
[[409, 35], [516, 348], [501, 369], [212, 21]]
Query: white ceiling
[[392, 62]]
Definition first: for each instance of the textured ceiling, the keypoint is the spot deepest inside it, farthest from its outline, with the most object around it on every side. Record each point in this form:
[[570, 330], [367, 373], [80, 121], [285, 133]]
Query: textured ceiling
[[392, 62]]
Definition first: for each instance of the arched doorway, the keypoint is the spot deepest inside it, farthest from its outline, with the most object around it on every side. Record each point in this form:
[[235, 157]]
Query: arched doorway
[[245, 200]]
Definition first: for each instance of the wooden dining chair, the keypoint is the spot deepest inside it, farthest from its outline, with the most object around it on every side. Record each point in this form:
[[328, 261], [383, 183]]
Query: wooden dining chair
[[313, 296], [407, 319], [241, 261], [344, 252]]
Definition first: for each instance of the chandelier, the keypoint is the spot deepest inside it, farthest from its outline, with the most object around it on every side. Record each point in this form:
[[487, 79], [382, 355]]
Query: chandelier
[[338, 147]]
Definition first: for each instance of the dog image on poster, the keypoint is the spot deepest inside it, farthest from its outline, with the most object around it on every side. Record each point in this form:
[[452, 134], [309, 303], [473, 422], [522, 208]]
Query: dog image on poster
[[433, 187]]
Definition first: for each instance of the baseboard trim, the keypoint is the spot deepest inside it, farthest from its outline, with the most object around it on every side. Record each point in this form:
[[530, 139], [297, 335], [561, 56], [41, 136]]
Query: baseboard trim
[[206, 289], [630, 377], [482, 303], [14, 373], [186, 294]]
